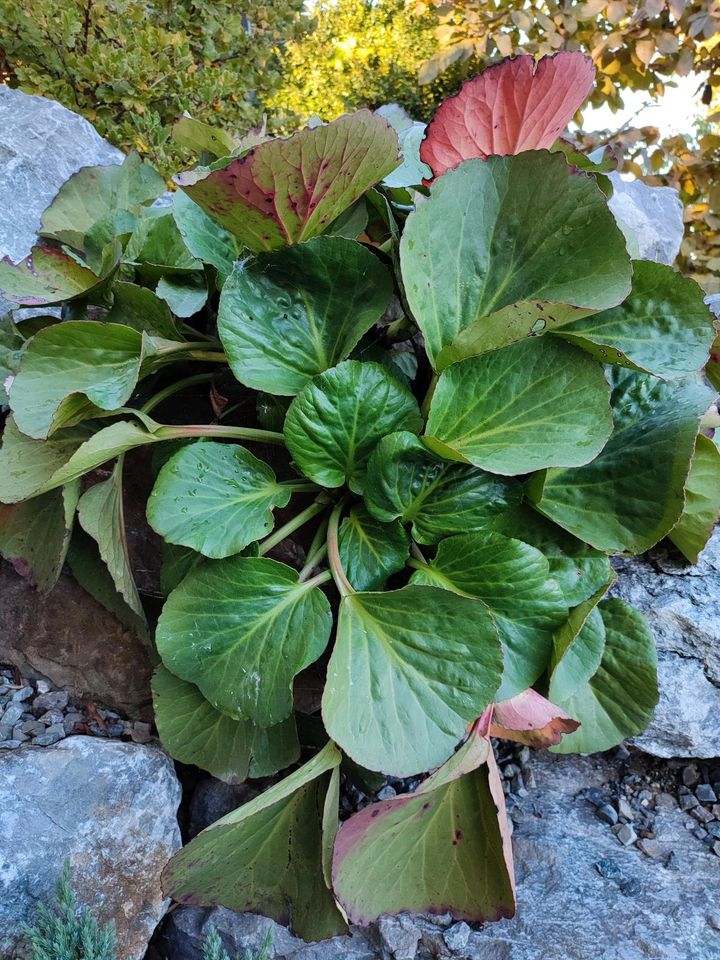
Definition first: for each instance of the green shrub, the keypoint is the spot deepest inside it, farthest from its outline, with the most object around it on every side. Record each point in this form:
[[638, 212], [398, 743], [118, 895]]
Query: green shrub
[[214, 950], [133, 67], [448, 403], [63, 931]]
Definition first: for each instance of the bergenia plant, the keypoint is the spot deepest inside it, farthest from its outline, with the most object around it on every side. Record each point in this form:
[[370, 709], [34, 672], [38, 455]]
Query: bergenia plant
[[401, 410]]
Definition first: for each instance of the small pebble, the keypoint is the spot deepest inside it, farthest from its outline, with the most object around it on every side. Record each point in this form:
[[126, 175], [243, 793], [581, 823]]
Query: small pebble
[[524, 755], [42, 686], [705, 793], [54, 700], [32, 728], [53, 735], [387, 793], [716, 811], [625, 834], [71, 721], [690, 775], [17, 734], [9, 744], [714, 829], [52, 716], [651, 848], [24, 693], [624, 809], [457, 936], [13, 713], [687, 801], [716, 848], [141, 732], [5, 731], [608, 814], [609, 869], [701, 814], [529, 777], [700, 833], [596, 796]]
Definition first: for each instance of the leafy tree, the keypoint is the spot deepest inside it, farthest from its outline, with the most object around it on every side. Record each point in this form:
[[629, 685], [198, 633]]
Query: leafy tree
[[133, 67]]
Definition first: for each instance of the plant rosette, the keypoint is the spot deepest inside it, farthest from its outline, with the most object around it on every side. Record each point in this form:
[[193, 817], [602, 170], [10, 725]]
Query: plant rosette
[[439, 386]]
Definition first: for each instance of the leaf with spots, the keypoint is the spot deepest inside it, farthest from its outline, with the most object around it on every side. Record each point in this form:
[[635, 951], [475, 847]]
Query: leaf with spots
[[46, 277]]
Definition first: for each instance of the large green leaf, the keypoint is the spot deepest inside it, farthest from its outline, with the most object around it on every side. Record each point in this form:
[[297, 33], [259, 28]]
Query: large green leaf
[[35, 535], [184, 295], [533, 404], [619, 699], [406, 480], [335, 422], [267, 856], [702, 501], [578, 569], [664, 326], [632, 494], [286, 316], [157, 248], [513, 579], [287, 191], [101, 515], [410, 669], [204, 238], [93, 193], [241, 629], [509, 246], [46, 277], [69, 362], [578, 647], [193, 731], [141, 309], [371, 550], [444, 847], [215, 497]]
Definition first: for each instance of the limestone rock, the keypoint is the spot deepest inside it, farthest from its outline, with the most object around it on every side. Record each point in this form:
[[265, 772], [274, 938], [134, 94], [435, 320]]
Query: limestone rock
[[651, 218], [66, 637], [41, 145], [107, 807], [681, 603]]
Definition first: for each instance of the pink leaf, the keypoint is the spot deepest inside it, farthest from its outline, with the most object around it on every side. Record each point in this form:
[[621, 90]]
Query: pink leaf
[[515, 105], [530, 718]]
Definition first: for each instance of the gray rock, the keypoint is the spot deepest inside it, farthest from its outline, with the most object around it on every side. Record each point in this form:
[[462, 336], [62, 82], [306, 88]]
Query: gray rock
[[634, 908], [10, 744], [55, 700], [400, 936], [607, 813], [705, 793], [24, 693], [625, 834], [457, 936], [186, 928], [651, 219], [41, 145], [107, 807], [212, 799], [13, 713], [681, 603]]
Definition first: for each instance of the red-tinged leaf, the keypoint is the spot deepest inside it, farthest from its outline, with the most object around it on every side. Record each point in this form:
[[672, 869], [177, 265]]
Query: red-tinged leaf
[[288, 190], [45, 277], [445, 847], [516, 105], [530, 718]]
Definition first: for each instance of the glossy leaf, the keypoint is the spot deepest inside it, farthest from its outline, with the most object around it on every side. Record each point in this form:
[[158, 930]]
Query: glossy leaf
[[331, 429], [157, 248], [101, 515], [405, 480], [93, 193], [619, 699], [508, 247], [530, 718], [286, 316], [267, 856], [35, 535], [513, 579], [515, 105], [578, 569], [663, 327], [287, 191], [194, 732], [370, 550], [69, 363], [536, 403], [215, 497], [702, 501], [241, 629], [444, 847], [139, 308], [630, 496], [47, 276], [204, 237], [185, 295], [578, 647], [202, 138], [410, 669]]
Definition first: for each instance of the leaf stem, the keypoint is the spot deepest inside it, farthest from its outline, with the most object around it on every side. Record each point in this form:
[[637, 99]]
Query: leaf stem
[[219, 430], [318, 580], [336, 568], [425, 408], [292, 525], [299, 487], [418, 564], [316, 551], [173, 388]]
